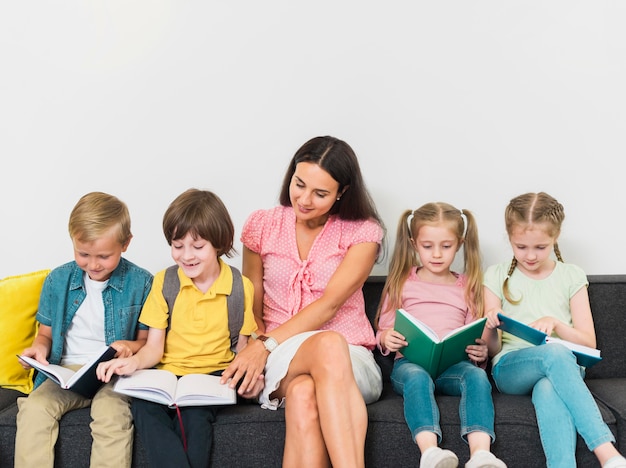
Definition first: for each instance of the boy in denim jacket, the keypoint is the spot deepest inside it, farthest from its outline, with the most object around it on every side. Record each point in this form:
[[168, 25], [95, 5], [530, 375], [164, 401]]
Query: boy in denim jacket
[[85, 304]]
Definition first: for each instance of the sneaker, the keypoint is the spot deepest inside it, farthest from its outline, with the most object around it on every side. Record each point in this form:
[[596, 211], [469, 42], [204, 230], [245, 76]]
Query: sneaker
[[435, 457], [615, 462], [484, 459]]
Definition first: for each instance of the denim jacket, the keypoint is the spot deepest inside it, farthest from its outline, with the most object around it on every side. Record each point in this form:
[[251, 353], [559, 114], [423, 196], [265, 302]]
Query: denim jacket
[[64, 291]]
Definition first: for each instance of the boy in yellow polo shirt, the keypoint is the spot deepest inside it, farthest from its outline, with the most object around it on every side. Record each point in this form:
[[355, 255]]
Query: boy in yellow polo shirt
[[194, 337]]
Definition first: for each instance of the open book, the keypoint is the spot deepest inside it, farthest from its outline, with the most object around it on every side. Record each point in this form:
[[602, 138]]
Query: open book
[[162, 386], [83, 381], [427, 350], [585, 355]]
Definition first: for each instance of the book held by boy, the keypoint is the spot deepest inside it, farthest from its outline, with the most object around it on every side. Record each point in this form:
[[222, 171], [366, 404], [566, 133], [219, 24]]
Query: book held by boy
[[427, 350], [83, 381], [585, 355], [164, 387]]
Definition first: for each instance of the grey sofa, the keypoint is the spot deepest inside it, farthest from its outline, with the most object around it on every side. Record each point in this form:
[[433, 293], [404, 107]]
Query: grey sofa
[[246, 435]]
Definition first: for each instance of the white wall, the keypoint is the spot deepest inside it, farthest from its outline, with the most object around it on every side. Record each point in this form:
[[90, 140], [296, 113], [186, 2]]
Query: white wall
[[466, 102]]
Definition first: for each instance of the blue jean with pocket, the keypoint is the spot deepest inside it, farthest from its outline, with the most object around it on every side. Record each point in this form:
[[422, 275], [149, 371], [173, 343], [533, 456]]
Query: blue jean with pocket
[[464, 379], [563, 403]]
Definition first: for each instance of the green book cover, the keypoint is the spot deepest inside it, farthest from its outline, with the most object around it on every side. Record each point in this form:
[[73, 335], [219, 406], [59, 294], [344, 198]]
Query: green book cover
[[427, 350]]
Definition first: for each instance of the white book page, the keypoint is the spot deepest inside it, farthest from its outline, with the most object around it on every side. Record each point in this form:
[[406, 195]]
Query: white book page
[[421, 325], [194, 389], [150, 384], [574, 346], [59, 374]]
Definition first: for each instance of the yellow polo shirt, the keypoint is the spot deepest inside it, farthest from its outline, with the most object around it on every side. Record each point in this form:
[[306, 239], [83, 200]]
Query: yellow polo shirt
[[198, 341]]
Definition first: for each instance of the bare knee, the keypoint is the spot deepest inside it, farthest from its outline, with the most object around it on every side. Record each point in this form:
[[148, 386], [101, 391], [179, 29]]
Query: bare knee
[[331, 353], [301, 403]]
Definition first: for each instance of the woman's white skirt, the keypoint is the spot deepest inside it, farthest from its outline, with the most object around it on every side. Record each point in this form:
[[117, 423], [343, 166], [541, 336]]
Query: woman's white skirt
[[366, 372]]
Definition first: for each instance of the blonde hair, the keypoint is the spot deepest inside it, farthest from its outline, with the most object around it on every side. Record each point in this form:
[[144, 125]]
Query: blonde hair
[[95, 214], [404, 257], [526, 210]]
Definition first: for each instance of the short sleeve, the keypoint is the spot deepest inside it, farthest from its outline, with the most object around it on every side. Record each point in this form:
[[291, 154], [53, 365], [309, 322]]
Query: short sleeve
[[494, 279], [369, 231], [253, 229]]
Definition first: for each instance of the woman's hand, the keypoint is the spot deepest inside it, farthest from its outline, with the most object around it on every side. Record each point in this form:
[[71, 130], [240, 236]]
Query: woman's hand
[[247, 366], [256, 391]]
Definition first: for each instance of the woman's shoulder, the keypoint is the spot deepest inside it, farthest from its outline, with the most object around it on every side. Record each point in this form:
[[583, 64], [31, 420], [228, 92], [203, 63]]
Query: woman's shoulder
[[268, 214], [366, 230]]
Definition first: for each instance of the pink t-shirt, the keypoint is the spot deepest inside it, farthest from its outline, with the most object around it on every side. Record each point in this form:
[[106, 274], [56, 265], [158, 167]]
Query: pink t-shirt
[[290, 283], [440, 306]]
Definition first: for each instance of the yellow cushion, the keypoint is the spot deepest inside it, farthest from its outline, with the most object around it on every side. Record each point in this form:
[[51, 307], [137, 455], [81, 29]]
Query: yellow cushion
[[19, 299]]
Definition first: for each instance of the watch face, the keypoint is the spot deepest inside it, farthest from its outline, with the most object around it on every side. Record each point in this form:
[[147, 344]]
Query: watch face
[[270, 343]]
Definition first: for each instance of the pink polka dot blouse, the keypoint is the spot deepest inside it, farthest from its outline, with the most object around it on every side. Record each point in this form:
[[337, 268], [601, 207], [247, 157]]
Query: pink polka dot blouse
[[290, 283]]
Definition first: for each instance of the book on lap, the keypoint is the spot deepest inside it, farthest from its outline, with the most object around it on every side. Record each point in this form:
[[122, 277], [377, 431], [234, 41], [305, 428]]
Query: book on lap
[[164, 387], [83, 381], [585, 355], [427, 350]]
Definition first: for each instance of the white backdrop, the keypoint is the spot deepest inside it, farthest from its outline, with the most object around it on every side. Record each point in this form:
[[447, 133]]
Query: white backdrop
[[466, 102]]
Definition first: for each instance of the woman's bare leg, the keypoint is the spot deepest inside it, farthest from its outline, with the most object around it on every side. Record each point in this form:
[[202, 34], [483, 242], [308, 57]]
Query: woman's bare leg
[[339, 405], [303, 439]]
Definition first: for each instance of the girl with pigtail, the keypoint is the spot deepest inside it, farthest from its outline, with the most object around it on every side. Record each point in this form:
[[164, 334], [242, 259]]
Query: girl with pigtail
[[421, 282], [550, 296]]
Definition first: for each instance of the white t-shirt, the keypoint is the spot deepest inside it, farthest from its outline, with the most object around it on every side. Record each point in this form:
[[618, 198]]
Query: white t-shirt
[[85, 335]]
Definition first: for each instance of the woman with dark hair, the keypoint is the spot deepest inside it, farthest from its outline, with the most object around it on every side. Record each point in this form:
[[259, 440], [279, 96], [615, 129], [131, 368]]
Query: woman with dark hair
[[308, 259]]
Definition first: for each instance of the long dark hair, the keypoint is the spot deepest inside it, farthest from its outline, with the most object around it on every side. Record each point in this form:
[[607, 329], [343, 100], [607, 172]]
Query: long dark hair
[[338, 159]]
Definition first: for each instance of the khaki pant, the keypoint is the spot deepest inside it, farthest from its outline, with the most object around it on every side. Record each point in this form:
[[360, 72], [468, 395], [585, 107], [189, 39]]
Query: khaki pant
[[38, 426]]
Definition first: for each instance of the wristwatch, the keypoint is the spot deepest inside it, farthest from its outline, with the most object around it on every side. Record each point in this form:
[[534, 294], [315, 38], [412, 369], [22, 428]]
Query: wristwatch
[[269, 342]]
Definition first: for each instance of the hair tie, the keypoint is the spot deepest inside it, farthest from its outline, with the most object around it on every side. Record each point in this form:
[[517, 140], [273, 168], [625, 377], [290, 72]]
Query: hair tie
[[409, 219], [464, 217]]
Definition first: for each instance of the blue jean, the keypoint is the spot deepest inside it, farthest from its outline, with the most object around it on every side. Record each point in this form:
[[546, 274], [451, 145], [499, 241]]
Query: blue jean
[[563, 403], [463, 379]]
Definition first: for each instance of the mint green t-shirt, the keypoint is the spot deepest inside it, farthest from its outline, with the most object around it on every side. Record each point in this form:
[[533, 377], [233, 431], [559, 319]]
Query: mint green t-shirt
[[548, 296]]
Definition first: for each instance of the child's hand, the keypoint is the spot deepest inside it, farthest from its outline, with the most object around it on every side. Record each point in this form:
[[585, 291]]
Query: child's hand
[[38, 353], [123, 349], [258, 387], [492, 318], [392, 340], [478, 352], [118, 366], [545, 324]]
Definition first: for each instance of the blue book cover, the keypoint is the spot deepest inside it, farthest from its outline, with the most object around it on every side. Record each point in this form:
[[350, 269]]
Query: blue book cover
[[585, 355]]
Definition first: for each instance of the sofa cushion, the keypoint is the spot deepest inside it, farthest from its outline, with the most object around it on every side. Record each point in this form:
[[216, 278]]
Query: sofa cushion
[[19, 299]]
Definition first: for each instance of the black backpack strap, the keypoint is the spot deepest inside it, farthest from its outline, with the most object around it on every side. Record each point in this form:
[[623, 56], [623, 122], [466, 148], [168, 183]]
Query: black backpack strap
[[171, 286], [235, 304]]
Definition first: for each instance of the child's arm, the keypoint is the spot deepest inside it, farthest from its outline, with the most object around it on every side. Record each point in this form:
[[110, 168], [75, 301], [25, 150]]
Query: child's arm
[[126, 348], [242, 341], [40, 348], [388, 339], [148, 356], [492, 334], [582, 331]]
